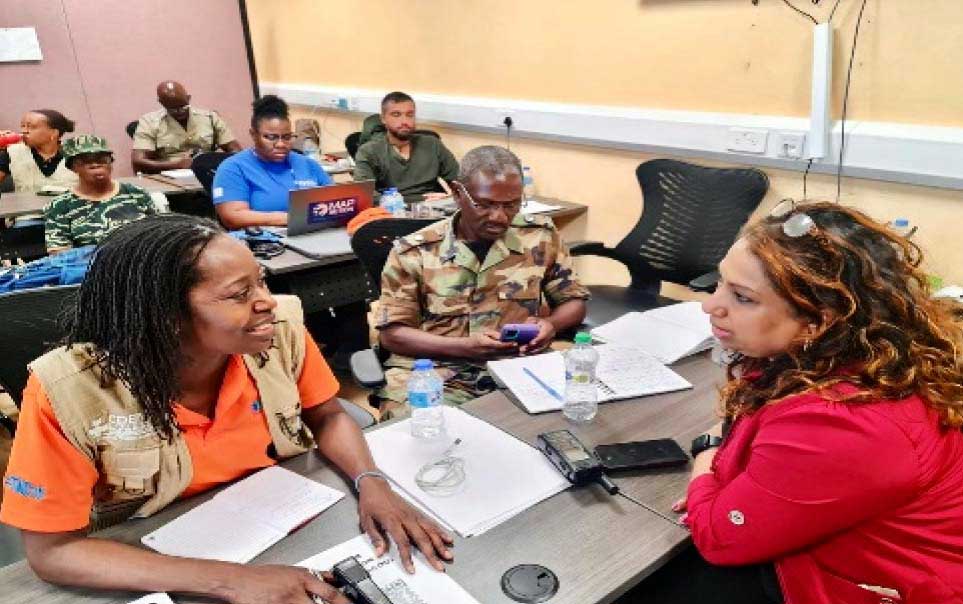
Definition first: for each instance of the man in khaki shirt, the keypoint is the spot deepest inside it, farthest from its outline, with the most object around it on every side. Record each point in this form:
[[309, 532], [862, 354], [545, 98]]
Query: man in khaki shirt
[[168, 138]]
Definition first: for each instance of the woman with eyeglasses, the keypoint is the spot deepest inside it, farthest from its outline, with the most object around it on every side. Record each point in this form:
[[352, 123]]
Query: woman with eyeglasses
[[251, 187], [37, 161], [838, 473], [98, 204]]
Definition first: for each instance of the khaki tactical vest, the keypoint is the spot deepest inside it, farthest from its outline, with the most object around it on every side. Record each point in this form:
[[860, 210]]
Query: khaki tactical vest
[[140, 472], [28, 178]]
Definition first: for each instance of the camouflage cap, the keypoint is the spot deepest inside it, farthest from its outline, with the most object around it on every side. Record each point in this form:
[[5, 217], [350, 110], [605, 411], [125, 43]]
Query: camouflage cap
[[84, 143]]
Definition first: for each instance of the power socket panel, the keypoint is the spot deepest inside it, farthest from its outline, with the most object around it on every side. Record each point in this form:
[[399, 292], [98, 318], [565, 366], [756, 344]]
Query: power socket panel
[[747, 140]]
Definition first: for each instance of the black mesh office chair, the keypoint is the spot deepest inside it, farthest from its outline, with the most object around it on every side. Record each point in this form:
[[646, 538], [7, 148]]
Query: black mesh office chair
[[131, 128], [31, 325], [691, 215], [22, 243], [351, 143], [205, 166], [371, 244]]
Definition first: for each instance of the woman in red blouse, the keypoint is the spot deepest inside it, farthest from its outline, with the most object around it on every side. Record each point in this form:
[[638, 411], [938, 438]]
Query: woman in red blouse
[[840, 475]]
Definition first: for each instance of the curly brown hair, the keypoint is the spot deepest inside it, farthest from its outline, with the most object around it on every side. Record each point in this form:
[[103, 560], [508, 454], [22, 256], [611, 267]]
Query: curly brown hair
[[876, 325]]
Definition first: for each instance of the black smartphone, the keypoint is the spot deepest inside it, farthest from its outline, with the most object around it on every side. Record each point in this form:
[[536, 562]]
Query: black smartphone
[[661, 453]]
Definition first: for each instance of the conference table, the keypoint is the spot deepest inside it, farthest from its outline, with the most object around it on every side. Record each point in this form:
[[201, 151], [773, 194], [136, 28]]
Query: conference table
[[21, 204], [598, 545]]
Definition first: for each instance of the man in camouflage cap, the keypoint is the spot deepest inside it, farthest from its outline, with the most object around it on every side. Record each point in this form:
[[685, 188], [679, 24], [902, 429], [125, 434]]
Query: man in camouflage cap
[[447, 289], [98, 204]]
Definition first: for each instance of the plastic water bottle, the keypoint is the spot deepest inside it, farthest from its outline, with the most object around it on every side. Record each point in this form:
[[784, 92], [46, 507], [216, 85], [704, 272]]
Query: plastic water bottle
[[394, 202], [528, 183], [311, 150], [902, 227], [581, 394], [424, 396]]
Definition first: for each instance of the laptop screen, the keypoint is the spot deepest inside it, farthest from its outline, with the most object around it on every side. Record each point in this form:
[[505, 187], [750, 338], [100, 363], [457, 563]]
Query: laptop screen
[[326, 207]]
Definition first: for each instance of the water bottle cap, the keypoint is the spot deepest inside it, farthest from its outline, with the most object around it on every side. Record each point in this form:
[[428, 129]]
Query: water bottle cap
[[901, 222], [583, 337], [526, 167], [424, 365]]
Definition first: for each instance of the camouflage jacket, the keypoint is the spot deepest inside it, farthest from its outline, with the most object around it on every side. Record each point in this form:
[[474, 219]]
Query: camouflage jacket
[[72, 221], [434, 282]]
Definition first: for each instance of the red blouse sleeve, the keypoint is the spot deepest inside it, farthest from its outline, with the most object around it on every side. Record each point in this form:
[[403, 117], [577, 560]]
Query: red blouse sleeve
[[813, 470]]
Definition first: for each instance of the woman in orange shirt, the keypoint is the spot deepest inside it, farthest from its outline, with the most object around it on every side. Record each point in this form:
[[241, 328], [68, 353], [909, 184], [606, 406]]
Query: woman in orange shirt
[[161, 393]]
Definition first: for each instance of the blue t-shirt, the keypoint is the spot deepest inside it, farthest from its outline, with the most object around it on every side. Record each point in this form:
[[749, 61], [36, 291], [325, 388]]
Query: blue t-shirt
[[265, 185]]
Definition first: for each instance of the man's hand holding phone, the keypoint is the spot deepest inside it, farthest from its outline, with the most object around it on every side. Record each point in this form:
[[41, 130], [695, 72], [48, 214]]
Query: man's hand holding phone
[[544, 338], [488, 345]]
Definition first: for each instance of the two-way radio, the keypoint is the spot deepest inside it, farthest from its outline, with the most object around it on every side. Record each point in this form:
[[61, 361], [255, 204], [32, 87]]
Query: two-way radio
[[355, 583], [581, 466]]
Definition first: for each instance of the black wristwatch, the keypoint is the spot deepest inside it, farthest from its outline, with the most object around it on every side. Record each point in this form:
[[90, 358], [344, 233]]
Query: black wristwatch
[[702, 442]]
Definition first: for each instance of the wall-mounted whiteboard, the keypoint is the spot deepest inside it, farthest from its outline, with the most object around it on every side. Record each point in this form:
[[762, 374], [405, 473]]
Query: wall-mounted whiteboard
[[19, 44]]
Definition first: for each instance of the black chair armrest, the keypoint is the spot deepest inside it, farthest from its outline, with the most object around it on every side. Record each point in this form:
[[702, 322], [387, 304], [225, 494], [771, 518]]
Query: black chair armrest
[[705, 283], [586, 248], [367, 370]]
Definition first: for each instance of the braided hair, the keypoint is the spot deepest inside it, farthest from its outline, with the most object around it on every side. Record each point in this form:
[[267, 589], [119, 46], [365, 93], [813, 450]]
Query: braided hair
[[268, 107], [133, 303]]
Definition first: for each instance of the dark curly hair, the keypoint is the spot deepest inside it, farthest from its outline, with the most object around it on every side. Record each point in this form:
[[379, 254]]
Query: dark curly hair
[[132, 303], [877, 327], [268, 107]]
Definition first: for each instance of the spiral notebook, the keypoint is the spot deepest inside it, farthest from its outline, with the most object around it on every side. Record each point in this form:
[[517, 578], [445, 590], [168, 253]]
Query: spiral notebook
[[538, 382]]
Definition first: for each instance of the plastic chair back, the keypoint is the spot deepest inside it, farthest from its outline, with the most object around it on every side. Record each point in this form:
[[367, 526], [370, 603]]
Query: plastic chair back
[[373, 242], [32, 325]]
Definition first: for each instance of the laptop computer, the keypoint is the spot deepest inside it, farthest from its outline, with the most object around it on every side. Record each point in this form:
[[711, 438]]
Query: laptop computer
[[317, 217]]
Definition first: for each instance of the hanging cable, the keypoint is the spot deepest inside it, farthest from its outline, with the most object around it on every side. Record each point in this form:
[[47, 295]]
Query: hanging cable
[[842, 128], [801, 12], [809, 166], [833, 12], [80, 77]]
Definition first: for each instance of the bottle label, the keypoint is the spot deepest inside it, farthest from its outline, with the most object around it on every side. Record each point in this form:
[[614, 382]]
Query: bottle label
[[418, 399], [580, 378]]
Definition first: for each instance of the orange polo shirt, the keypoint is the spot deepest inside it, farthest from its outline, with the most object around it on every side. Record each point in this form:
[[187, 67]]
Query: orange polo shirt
[[49, 484]]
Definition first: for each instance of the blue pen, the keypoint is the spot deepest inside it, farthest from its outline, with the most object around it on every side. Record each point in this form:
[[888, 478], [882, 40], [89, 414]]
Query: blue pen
[[547, 388]]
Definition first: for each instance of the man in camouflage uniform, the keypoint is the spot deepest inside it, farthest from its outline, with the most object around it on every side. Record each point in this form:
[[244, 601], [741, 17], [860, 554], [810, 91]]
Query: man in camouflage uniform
[[169, 138], [98, 204], [447, 289]]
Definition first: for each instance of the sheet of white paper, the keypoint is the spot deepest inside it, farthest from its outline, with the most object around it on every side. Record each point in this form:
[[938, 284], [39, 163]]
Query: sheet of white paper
[[213, 532], [668, 333], [503, 475], [244, 519], [155, 598], [426, 586], [534, 206], [182, 173], [623, 372], [284, 499], [19, 44]]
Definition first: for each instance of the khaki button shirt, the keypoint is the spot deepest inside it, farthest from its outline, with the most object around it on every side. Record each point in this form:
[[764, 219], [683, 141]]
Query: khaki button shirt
[[434, 282], [159, 132]]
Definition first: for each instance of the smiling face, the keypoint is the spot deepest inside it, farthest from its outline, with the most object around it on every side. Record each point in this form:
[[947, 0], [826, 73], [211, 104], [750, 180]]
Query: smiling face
[[746, 313], [232, 311]]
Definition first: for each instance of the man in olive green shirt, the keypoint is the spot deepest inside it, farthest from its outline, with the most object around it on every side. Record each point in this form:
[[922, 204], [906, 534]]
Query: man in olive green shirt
[[168, 138], [403, 158]]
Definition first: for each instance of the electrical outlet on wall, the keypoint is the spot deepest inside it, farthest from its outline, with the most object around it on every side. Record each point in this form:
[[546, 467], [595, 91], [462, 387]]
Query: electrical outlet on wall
[[791, 144], [747, 140]]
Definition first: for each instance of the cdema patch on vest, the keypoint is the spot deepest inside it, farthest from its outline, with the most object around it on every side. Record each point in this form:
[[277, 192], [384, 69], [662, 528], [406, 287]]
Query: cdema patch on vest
[[121, 427], [23, 487]]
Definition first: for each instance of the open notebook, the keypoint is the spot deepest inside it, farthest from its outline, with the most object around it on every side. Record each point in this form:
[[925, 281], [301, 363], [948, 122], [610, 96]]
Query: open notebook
[[538, 382], [667, 333], [244, 519]]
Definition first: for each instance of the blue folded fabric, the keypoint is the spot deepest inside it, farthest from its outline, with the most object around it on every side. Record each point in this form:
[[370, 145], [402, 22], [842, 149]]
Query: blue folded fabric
[[65, 268]]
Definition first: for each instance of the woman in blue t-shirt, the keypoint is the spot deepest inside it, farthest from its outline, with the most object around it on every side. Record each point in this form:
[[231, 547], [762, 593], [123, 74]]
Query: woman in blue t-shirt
[[251, 187]]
